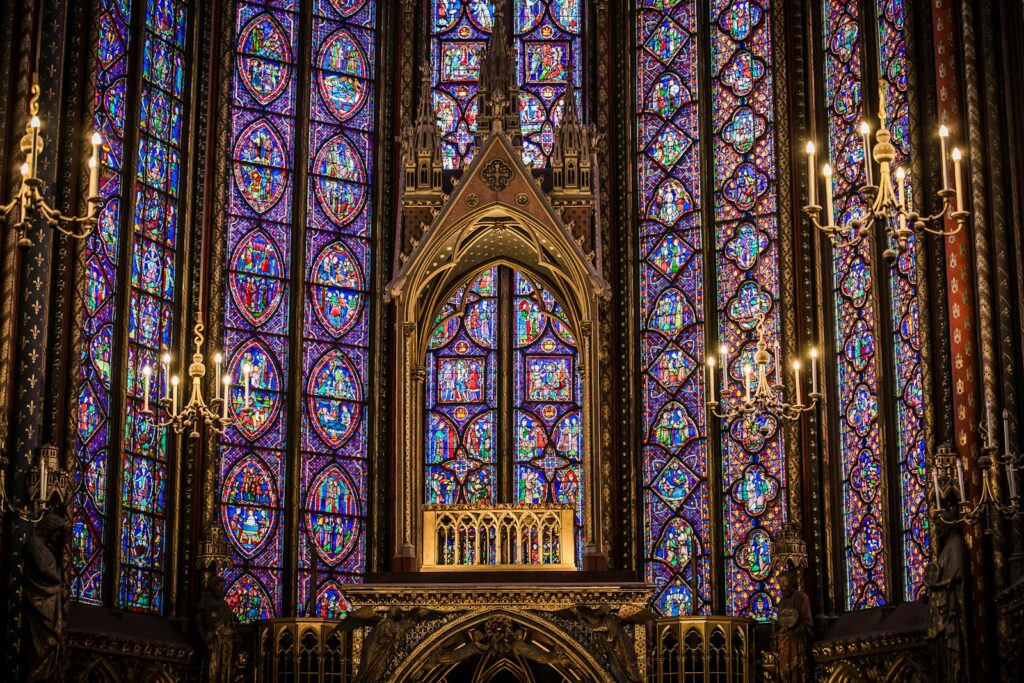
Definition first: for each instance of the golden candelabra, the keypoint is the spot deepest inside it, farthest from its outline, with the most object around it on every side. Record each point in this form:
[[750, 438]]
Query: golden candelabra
[[948, 479], [29, 200], [763, 390], [197, 409], [887, 205]]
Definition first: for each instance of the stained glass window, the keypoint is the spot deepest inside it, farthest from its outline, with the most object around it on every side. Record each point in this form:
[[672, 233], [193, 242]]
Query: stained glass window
[[679, 506], [98, 313], [905, 315], [546, 394], [548, 54], [677, 515], [746, 228], [253, 481], [460, 30], [467, 407], [333, 360], [152, 289], [857, 362], [149, 303], [462, 381], [548, 42]]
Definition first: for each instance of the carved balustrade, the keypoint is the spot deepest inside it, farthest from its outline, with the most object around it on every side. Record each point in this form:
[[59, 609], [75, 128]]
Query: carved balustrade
[[495, 537]]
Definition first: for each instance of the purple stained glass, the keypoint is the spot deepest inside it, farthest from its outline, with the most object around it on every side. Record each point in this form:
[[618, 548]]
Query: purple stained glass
[[753, 471], [747, 242], [857, 363], [252, 471], [151, 302], [460, 30], [90, 532], [546, 403], [336, 331], [549, 52], [677, 517], [905, 314], [462, 399]]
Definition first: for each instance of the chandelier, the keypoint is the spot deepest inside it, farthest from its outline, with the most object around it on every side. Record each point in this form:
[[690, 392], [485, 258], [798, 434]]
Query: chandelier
[[886, 202], [29, 197], [966, 509], [197, 410], [762, 394]]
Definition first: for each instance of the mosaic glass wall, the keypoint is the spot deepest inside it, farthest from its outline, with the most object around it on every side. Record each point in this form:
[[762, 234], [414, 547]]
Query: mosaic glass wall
[[460, 30], [253, 481], [677, 517], [462, 397], [905, 315], [149, 303], [335, 264], [856, 360], [98, 313], [548, 43], [467, 352], [548, 54], [746, 231], [546, 396], [335, 361]]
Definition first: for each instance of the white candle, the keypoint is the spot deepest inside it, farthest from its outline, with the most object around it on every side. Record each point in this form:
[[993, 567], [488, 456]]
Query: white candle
[[990, 425], [94, 178], [960, 479], [938, 495], [166, 363], [43, 472], [829, 215], [943, 134], [1006, 432], [814, 370], [147, 373], [23, 193], [711, 378], [247, 381], [811, 179], [174, 395], [747, 379], [217, 360], [94, 166], [778, 364], [723, 354], [227, 394], [34, 154], [958, 177], [865, 136], [796, 382], [901, 191]]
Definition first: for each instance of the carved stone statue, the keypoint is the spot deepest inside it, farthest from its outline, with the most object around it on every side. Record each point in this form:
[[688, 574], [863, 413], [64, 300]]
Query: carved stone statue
[[384, 640], [618, 644], [44, 598], [793, 635], [501, 637], [947, 611], [218, 628]]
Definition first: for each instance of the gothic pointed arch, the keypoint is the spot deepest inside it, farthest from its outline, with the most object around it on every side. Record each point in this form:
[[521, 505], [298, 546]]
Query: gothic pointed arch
[[546, 643], [496, 215]]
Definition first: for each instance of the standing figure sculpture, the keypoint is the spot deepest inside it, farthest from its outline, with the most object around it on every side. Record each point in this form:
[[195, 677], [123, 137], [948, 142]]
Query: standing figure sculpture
[[793, 636], [384, 639], [44, 598], [947, 610], [619, 646], [217, 627]]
